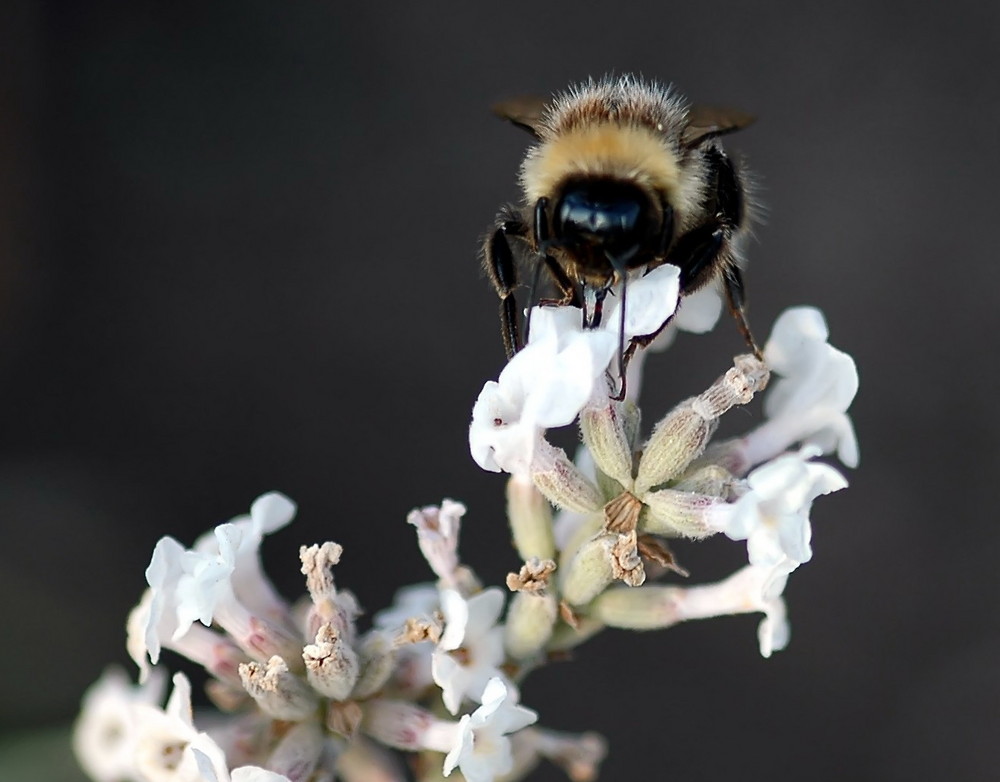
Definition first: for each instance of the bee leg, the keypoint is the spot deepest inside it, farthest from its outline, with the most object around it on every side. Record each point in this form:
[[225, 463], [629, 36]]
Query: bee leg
[[567, 291], [498, 261], [732, 280], [729, 208], [698, 254]]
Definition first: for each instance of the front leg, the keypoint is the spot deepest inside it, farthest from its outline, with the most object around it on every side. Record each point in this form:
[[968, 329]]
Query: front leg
[[500, 266]]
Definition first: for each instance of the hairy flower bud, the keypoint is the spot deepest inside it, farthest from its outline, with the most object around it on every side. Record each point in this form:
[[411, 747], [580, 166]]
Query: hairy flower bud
[[677, 513], [599, 562], [646, 608], [331, 664], [277, 691], [682, 436], [378, 659], [562, 482], [606, 433], [530, 517]]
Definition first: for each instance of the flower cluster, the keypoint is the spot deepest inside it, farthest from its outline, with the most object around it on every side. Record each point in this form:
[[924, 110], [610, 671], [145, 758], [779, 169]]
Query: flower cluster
[[307, 695]]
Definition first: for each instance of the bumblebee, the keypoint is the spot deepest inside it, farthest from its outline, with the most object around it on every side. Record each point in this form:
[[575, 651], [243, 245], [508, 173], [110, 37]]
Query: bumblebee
[[624, 176]]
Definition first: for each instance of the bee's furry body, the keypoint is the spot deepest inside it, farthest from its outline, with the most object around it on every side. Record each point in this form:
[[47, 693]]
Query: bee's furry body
[[623, 176]]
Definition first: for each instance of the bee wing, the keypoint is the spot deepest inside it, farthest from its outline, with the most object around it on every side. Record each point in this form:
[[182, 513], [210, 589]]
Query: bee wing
[[706, 122], [525, 112]]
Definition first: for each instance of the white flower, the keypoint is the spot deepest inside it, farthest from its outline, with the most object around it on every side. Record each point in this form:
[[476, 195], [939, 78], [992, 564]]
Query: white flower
[[412, 672], [773, 516], [545, 385], [481, 750], [199, 584], [808, 402], [205, 579], [417, 601], [153, 621], [437, 536], [748, 590], [168, 748], [651, 299], [470, 626], [269, 513], [105, 732]]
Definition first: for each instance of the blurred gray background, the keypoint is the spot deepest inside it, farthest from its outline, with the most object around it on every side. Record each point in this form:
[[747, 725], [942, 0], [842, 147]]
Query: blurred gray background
[[238, 252]]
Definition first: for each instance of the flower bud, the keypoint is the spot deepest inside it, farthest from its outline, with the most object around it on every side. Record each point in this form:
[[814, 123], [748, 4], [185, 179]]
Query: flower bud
[[279, 693], [676, 441], [530, 619], [682, 436], [598, 563], [331, 664], [378, 659], [398, 724], [589, 525], [605, 433], [532, 612], [646, 608], [298, 752], [562, 482], [530, 517], [677, 513], [711, 479]]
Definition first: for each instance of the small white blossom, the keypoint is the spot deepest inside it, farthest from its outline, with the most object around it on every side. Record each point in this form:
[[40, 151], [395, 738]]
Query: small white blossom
[[809, 400], [169, 748], [413, 661], [773, 516], [437, 536], [482, 750], [205, 581], [105, 732], [198, 585], [417, 601], [545, 385], [154, 620], [470, 626], [269, 513]]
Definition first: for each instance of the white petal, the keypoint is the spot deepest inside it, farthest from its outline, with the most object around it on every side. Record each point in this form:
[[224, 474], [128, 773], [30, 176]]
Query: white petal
[[698, 312], [272, 511], [462, 747], [456, 618], [554, 323], [793, 338], [650, 301], [483, 611]]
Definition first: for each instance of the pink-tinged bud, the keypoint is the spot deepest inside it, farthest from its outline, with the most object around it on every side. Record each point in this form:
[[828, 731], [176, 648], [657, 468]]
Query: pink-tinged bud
[[277, 691]]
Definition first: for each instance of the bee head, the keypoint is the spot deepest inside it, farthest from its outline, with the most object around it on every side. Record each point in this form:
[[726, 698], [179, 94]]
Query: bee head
[[604, 214]]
